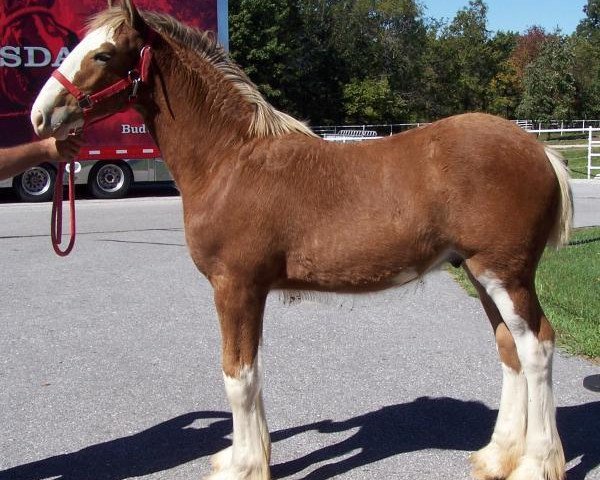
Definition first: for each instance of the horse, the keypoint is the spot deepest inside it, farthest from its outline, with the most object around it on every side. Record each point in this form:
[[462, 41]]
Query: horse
[[268, 205]]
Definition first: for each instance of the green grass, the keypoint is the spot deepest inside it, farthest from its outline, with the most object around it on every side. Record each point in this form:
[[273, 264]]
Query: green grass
[[577, 161], [565, 139], [568, 284]]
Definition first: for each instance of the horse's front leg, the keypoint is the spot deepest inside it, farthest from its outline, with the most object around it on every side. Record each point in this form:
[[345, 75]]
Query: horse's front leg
[[240, 308]]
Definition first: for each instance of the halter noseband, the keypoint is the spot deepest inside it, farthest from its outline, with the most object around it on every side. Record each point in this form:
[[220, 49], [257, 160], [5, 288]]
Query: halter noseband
[[133, 79]]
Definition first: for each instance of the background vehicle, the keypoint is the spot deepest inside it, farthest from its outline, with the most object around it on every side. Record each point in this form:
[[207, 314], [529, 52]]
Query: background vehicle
[[35, 36]]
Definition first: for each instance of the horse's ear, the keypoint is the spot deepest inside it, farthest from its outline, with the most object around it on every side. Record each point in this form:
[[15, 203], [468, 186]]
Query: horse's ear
[[133, 17]]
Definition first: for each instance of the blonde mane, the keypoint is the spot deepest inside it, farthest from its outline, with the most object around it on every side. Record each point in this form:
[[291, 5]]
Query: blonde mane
[[267, 120]]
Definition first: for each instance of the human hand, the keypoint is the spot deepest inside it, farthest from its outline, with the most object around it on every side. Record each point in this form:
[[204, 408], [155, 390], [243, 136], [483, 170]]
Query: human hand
[[63, 150]]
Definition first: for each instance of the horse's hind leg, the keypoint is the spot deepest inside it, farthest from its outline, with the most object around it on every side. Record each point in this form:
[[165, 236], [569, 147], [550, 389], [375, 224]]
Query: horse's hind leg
[[500, 457], [515, 298], [240, 311]]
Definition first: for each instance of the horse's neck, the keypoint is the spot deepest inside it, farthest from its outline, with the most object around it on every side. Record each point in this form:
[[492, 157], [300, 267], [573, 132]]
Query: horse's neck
[[196, 122]]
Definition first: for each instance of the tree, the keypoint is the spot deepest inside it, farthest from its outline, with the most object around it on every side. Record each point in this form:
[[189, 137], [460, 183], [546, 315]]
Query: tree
[[592, 21], [373, 101], [462, 62], [380, 42], [264, 40], [550, 91], [505, 87], [586, 64], [321, 73]]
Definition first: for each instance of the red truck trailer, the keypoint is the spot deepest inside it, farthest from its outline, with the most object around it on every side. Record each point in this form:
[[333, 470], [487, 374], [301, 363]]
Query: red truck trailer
[[35, 36]]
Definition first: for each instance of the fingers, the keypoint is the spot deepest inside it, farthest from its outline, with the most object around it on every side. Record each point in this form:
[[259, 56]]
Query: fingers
[[69, 148]]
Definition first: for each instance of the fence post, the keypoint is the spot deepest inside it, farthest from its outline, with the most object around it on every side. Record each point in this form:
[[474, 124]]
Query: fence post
[[589, 169]]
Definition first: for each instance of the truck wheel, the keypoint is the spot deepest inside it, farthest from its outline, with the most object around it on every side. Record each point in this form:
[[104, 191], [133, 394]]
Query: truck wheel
[[36, 184], [110, 180]]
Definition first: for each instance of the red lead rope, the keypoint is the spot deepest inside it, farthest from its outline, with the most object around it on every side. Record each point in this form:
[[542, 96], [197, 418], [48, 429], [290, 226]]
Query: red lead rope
[[56, 222]]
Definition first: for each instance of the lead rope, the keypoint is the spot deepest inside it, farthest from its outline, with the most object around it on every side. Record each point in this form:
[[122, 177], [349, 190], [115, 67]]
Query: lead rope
[[56, 221]]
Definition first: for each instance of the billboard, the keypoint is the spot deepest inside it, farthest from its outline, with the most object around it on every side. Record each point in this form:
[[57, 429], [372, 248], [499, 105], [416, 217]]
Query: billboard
[[36, 35]]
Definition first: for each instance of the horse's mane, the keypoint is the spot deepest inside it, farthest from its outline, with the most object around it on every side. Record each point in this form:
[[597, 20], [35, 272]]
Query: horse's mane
[[267, 119]]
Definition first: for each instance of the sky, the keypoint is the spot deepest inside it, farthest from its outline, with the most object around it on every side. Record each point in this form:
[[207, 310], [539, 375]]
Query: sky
[[517, 15]]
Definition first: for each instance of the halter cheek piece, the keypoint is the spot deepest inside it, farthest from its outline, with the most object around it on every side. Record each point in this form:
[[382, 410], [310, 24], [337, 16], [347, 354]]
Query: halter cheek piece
[[133, 79]]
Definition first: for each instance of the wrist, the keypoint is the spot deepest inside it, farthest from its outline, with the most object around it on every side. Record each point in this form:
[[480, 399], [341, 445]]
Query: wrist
[[47, 148]]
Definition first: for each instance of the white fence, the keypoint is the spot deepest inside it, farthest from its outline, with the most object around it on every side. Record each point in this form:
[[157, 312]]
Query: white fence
[[558, 126], [553, 126], [593, 145], [351, 135]]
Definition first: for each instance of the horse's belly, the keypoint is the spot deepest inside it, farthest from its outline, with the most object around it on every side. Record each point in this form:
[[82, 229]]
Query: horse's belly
[[348, 274]]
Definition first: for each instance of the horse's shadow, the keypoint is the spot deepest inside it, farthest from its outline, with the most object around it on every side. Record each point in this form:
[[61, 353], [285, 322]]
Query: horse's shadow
[[433, 423], [156, 449], [426, 423]]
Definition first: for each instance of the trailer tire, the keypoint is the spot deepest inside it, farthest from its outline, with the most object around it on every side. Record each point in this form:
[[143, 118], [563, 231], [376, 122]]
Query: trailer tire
[[36, 184], [110, 179]]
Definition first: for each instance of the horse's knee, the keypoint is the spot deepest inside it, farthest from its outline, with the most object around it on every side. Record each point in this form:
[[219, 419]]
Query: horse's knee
[[545, 331], [507, 349]]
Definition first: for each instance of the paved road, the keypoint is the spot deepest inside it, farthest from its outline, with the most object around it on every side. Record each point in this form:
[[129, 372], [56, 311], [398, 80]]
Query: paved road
[[587, 196], [109, 365]]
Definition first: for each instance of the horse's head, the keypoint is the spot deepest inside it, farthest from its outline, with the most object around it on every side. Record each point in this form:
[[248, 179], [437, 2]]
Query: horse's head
[[97, 78]]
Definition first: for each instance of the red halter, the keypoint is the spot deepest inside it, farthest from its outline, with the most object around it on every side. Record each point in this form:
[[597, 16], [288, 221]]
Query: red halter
[[134, 77]]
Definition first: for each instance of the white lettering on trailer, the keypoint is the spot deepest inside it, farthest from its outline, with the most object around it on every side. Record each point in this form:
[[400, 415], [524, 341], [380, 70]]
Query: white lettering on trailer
[[120, 152], [31, 56], [94, 152], [62, 54], [148, 150], [126, 128], [10, 56]]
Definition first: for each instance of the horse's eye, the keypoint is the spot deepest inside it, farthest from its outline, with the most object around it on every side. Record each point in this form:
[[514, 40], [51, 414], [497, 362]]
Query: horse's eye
[[102, 57]]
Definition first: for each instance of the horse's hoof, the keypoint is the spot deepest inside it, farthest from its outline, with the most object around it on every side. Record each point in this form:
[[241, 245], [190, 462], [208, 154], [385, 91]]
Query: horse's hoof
[[532, 469], [234, 473]]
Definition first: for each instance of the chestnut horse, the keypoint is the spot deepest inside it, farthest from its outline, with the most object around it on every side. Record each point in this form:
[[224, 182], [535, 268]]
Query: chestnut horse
[[269, 205]]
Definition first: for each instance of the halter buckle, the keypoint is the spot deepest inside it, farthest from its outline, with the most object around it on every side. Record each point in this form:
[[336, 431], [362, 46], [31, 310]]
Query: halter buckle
[[85, 102], [134, 90], [134, 77]]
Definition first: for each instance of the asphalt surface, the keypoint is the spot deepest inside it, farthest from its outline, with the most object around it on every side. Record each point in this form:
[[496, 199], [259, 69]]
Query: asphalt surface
[[109, 364], [587, 206]]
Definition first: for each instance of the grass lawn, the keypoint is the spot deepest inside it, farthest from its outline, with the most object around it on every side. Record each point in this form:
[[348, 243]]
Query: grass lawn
[[568, 284], [577, 161]]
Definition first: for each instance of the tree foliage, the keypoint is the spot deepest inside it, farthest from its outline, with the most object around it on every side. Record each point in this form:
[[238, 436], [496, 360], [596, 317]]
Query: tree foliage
[[337, 61], [549, 91]]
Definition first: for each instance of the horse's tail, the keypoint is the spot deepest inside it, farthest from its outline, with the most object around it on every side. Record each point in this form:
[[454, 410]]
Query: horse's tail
[[559, 236]]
